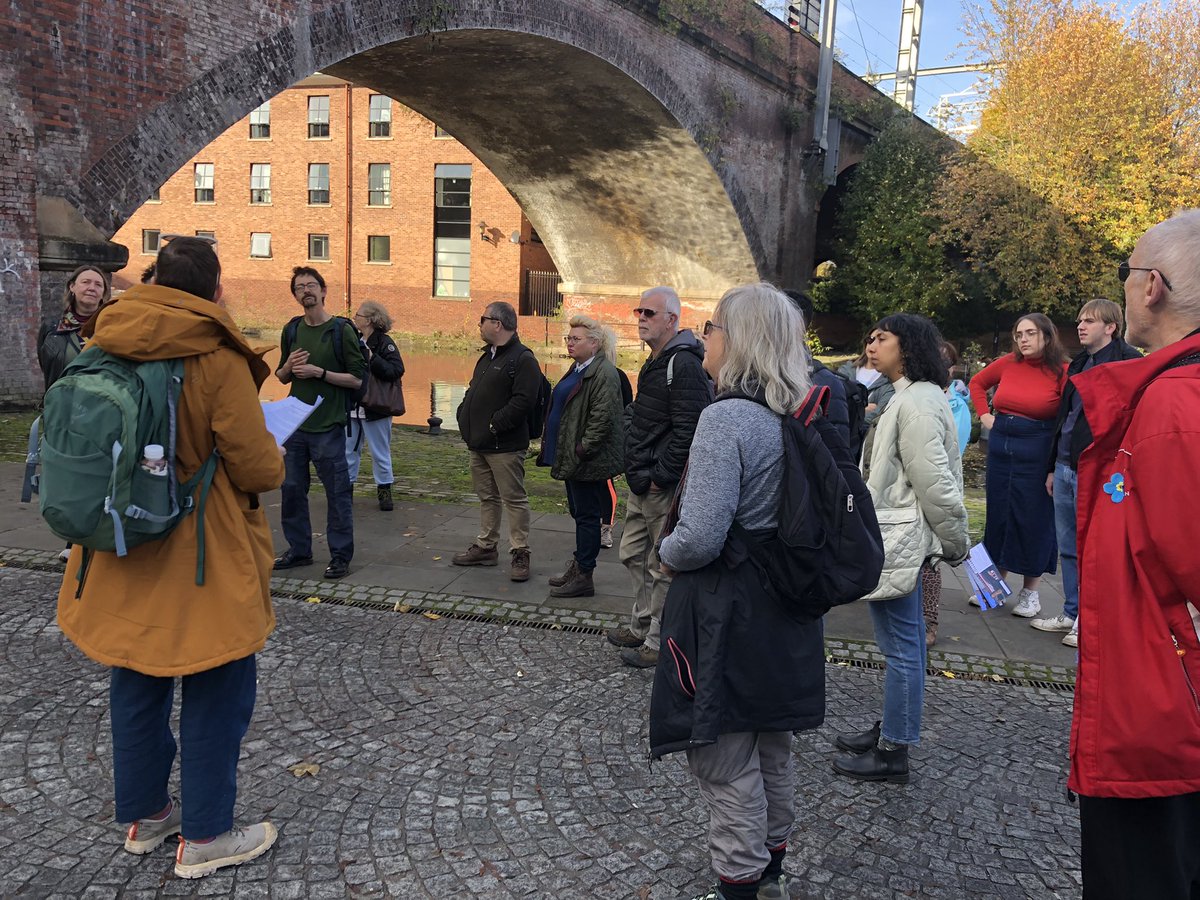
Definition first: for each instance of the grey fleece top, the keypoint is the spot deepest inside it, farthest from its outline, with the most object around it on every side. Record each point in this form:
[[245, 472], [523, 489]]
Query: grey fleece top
[[733, 474]]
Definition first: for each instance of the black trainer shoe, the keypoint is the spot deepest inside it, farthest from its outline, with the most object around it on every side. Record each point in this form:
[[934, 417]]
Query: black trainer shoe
[[290, 560], [337, 568]]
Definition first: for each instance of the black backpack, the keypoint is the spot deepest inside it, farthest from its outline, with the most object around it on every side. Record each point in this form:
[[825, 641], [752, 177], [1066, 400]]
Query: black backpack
[[857, 399], [541, 403], [827, 549], [292, 328]]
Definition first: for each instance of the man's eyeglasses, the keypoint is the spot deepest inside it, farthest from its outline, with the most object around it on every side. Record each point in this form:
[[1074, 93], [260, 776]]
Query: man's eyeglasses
[[709, 326], [305, 286], [1125, 268], [483, 319], [641, 312]]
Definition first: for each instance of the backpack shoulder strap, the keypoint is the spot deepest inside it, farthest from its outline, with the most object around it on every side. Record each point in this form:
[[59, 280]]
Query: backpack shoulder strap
[[670, 370], [816, 401], [290, 330]]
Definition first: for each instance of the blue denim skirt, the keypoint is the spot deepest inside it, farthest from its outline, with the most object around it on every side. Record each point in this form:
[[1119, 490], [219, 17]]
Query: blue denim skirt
[[1020, 514]]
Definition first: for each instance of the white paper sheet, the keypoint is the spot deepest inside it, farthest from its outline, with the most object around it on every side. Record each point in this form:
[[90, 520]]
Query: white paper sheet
[[285, 416]]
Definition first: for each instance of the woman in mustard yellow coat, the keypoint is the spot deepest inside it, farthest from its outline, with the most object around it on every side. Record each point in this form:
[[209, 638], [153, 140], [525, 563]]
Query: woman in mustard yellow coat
[[144, 615]]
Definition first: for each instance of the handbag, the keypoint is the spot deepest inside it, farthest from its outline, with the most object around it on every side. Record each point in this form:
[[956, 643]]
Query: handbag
[[383, 398]]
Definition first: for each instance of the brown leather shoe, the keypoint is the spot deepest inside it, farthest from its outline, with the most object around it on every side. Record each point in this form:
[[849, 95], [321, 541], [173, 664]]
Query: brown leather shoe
[[476, 556], [623, 637], [519, 570], [560, 580], [640, 658], [580, 585]]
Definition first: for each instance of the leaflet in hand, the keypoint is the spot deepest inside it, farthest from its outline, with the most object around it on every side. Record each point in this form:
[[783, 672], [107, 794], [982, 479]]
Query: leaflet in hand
[[285, 416], [990, 588]]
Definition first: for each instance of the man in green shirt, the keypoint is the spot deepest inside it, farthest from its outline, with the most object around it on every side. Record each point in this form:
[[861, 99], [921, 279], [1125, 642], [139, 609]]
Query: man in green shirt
[[310, 364]]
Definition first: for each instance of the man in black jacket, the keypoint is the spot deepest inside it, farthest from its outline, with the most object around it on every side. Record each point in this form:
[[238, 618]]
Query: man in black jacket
[[672, 391], [1100, 325], [493, 420]]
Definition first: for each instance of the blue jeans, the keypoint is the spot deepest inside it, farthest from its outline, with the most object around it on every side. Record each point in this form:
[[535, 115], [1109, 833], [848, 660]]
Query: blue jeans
[[327, 453], [213, 717], [1066, 490], [377, 435], [585, 502], [900, 633]]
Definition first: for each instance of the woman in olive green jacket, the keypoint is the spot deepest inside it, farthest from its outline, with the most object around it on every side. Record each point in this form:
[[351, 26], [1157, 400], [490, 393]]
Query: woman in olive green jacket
[[583, 443]]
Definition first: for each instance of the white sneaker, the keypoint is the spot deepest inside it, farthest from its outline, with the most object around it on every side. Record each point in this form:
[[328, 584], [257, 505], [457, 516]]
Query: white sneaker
[[974, 601], [606, 536], [1054, 623], [233, 848], [64, 554], [1071, 639], [1028, 604]]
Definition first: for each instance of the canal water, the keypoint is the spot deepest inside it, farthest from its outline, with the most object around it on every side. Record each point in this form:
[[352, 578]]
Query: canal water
[[434, 383]]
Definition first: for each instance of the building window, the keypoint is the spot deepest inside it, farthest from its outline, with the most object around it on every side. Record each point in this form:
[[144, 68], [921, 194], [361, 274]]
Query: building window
[[318, 183], [260, 122], [379, 248], [379, 184], [150, 240], [260, 183], [207, 235], [260, 245], [204, 183], [318, 117], [380, 117], [440, 132], [318, 246], [154, 196], [452, 231]]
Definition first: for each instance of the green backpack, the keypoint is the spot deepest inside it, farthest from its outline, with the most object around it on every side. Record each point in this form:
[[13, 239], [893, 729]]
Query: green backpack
[[98, 419]]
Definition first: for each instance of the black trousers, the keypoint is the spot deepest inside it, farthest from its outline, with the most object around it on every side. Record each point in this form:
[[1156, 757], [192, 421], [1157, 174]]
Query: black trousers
[[1146, 849], [585, 500]]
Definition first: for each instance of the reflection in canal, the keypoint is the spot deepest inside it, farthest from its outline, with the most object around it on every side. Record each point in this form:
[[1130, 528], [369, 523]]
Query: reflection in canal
[[434, 383]]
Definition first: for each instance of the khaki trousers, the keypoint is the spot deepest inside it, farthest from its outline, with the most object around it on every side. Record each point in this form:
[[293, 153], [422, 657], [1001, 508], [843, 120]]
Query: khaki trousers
[[644, 517], [499, 480]]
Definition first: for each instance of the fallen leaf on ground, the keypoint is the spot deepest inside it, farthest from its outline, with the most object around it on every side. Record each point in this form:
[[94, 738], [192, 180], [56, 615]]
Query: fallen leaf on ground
[[402, 607], [520, 674], [430, 615], [410, 534], [302, 769], [997, 678], [948, 673], [314, 599], [489, 868], [437, 557], [644, 892]]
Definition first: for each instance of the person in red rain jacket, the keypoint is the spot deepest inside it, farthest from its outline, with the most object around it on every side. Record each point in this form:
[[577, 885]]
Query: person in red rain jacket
[[1135, 737]]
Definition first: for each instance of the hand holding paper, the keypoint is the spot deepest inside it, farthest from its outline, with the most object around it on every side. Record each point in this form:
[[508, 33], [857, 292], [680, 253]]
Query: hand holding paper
[[285, 416]]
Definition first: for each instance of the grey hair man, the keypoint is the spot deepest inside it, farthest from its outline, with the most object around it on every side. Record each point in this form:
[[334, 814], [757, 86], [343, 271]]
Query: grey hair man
[[672, 391], [493, 419], [1135, 739]]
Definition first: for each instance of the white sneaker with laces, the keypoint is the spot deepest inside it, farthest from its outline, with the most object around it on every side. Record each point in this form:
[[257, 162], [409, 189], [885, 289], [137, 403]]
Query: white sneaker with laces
[[1071, 639], [606, 540], [1054, 623], [233, 848], [1029, 604]]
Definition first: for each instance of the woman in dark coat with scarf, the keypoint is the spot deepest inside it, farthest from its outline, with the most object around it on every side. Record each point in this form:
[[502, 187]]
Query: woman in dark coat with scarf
[[583, 442], [375, 429], [58, 340]]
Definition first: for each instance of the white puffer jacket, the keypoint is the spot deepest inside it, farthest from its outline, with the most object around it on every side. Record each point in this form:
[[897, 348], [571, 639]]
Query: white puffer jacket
[[915, 478]]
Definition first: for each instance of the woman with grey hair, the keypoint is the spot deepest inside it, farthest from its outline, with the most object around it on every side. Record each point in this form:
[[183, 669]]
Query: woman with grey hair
[[385, 364], [59, 340], [739, 671], [583, 442]]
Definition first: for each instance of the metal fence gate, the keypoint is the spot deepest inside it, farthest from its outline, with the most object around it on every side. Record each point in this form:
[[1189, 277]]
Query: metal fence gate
[[539, 293]]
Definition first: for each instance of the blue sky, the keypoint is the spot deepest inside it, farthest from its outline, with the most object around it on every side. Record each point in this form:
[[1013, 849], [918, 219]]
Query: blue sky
[[868, 31]]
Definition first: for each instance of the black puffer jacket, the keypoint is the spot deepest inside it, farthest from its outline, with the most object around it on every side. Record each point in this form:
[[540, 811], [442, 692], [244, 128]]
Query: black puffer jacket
[[661, 421], [386, 363], [1081, 433], [733, 657], [494, 415]]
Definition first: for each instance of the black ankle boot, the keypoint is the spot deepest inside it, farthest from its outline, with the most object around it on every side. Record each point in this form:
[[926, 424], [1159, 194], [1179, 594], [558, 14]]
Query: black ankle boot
[[860, 742], [876, 764], [384, 493]]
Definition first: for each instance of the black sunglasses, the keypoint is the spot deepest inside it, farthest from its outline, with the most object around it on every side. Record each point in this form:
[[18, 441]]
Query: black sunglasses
[[483, 319], [709, 326], [1125, 268], [648, 313]]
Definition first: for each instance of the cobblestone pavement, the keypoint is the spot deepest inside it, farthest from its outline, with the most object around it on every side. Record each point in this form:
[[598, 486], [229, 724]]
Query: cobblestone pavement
[[460, 759]]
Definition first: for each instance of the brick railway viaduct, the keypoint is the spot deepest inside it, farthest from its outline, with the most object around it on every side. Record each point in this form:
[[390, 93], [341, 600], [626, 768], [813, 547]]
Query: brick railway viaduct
[[644, 149]]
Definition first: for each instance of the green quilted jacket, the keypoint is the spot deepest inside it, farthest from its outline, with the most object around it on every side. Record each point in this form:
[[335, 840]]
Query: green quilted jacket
[[591, 438]]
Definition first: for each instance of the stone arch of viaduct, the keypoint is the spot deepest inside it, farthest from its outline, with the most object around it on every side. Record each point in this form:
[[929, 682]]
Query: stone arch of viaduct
[[642, 154]]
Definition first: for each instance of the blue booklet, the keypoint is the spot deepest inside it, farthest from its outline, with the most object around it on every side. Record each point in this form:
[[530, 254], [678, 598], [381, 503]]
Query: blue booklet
[[990, 588]]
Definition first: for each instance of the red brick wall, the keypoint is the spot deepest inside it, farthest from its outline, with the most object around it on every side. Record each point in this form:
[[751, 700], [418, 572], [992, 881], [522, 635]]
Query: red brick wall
[[256, 290]]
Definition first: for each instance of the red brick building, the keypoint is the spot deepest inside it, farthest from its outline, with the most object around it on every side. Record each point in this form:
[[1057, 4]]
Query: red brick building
[[377, 198]]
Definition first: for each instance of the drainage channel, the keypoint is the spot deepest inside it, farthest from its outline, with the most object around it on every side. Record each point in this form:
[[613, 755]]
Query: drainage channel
[[42, 563]]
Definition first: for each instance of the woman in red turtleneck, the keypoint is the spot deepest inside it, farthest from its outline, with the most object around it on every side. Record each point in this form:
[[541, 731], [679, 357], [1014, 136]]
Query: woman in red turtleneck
[[1020, 513]]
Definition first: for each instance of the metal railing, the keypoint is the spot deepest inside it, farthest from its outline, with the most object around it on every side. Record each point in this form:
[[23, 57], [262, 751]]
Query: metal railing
[[539, 294]]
